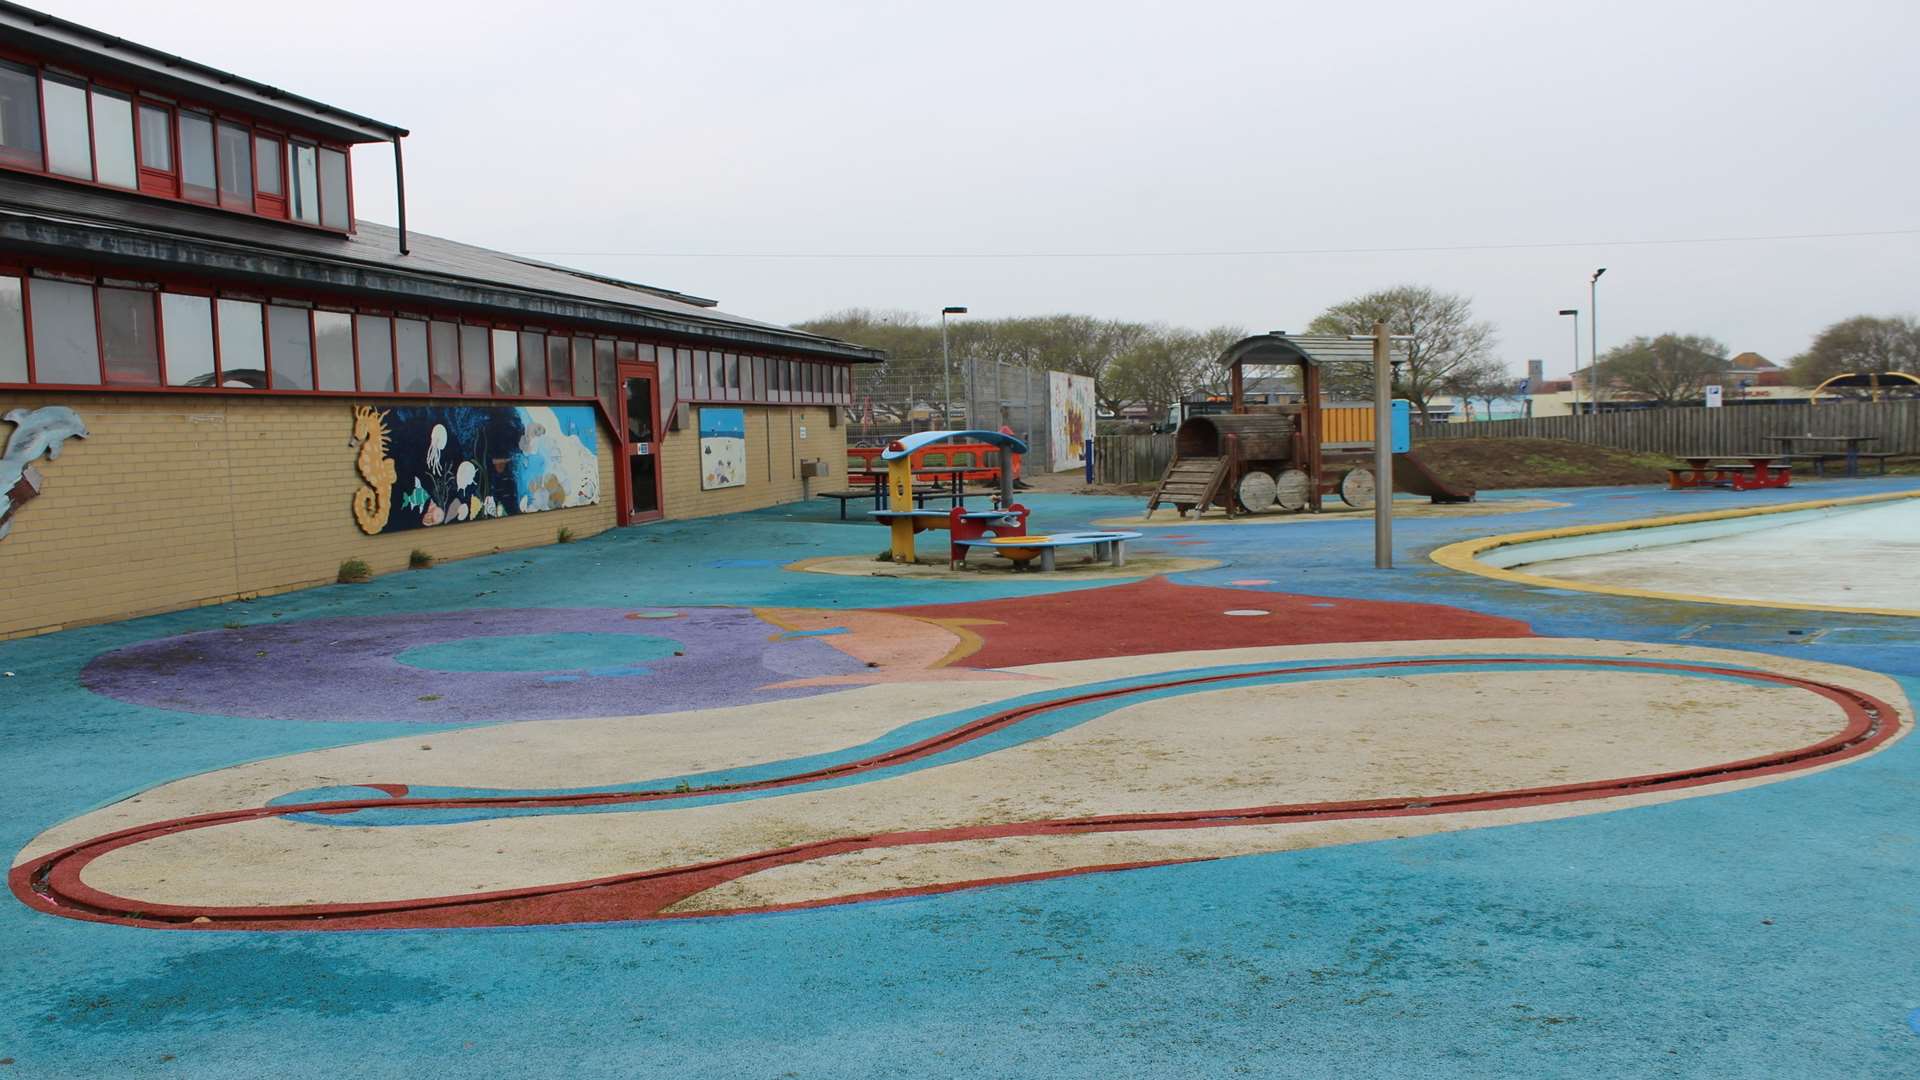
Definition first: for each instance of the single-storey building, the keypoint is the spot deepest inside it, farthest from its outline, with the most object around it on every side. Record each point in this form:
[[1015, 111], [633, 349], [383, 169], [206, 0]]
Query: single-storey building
[[221, 384]]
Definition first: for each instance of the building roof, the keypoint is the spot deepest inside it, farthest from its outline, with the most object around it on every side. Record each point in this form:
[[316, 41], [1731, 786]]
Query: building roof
[[61, 41], [1280, 348], [1753, 361], [60, 220]]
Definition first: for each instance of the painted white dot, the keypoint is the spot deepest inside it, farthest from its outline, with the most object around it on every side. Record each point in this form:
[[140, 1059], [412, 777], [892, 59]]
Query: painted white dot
[[1248, 611]]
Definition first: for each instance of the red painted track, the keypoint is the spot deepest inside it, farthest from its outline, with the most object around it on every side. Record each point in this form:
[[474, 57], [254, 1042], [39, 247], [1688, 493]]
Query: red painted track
[[53, 884], [1132, 620]]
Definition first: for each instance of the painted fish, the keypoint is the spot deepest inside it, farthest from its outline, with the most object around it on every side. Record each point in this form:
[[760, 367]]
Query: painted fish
[[36, 432]]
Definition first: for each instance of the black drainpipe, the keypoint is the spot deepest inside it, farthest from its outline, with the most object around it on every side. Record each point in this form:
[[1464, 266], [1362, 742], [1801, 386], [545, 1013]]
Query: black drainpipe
[[400, 190]]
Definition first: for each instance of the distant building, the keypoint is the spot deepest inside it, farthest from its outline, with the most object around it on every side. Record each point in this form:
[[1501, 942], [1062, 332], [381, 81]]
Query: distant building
[[1750, 379]]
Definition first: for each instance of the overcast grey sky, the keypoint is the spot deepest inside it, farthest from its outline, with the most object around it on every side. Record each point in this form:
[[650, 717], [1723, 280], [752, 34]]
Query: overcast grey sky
[[667, 143]]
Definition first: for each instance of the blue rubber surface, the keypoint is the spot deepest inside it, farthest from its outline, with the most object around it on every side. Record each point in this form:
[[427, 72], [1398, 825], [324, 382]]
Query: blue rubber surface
[[1771, 932]]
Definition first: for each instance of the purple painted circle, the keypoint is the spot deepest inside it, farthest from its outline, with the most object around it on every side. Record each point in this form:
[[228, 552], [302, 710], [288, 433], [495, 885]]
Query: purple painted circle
[[346, 669]]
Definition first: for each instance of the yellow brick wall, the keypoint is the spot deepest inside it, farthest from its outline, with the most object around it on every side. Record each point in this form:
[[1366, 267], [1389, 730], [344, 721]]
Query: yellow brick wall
[[775, 446], [176, 500]]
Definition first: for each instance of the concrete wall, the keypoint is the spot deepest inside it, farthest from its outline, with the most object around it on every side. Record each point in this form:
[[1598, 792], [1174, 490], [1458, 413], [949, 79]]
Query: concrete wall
[[779, 437], [180, 500]]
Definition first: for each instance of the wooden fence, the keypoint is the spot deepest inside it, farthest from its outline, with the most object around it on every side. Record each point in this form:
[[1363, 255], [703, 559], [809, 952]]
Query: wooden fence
[[1732, 430], [1131, 459]]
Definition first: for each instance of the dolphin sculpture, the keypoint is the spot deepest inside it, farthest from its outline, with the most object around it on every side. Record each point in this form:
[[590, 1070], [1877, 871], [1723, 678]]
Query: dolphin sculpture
[[36, 432]]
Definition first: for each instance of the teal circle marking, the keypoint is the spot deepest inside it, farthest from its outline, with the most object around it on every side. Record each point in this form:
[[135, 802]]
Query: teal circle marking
[[589, 652]]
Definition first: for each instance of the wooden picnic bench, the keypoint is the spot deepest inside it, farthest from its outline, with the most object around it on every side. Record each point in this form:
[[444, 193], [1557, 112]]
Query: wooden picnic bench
[[1741, 472], [1850, 455], [1821, 459], [878, 493]]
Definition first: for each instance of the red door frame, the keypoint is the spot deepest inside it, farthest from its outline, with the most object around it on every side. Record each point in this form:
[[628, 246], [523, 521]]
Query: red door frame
[[623, 476]]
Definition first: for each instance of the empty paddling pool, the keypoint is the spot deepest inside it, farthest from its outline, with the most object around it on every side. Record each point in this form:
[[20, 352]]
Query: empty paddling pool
[[1853, 556]]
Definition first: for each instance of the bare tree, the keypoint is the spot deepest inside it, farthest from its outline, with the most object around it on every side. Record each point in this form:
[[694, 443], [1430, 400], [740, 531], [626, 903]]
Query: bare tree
[[1161, 367], [1485, 381], [1666, 370], [1862, 343], [1445, 335]]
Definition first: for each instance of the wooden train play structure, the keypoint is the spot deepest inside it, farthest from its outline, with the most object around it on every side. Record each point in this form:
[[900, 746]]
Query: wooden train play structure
[[1289, 450]]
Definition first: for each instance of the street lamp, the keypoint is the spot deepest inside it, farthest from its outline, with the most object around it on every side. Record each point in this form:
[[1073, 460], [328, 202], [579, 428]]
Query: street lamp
[[1593, 330], [1574, 378], [946, 368]]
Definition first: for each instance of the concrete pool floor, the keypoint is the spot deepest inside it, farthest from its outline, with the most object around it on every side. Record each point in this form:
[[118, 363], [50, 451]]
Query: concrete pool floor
[[1866, 557], [876, 827]]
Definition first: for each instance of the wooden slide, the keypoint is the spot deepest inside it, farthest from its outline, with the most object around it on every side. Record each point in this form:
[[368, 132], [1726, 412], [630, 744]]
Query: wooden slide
[[1412, 476]]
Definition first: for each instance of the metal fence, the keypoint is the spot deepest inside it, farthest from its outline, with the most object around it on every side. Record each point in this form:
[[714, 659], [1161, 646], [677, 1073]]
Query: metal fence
[[1131, 459], [1003, 393], [1895, 426], [985, 395]]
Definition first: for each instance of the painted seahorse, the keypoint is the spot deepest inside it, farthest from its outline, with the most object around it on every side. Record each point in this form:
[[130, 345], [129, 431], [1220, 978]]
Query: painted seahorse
[[35, 432], [374, 501]]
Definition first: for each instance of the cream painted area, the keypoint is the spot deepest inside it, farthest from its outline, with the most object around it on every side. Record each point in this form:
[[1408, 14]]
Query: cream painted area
[[1332, 740]]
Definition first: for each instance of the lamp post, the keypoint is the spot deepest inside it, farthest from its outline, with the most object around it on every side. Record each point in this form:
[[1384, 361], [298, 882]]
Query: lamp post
[[946, 368], [1574, 378], [1593, 331]]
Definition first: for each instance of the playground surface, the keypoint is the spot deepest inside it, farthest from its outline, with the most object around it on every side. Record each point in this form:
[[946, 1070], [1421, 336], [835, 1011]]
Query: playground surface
[[657, 803]]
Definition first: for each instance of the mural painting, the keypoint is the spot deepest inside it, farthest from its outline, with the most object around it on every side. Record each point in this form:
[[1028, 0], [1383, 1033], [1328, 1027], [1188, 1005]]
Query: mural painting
[[422, 466], [36, 433], [1070, 419], [723, 448]]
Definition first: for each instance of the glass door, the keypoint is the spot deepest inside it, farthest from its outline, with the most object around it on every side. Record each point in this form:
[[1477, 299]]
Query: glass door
[[642, 445]]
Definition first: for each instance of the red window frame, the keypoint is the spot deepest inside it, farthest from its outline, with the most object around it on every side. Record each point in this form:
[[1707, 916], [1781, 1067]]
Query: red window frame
[[264, 204], [46, 143], [760, 374], [267, 344], [132, 96], [169, 184], [161, 182]]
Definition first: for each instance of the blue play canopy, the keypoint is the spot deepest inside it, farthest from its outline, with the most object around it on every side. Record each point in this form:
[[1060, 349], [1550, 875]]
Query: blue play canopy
[[907, 444]]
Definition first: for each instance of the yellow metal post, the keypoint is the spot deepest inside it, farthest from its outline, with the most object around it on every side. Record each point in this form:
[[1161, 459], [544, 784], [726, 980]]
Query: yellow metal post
[[900, 499]]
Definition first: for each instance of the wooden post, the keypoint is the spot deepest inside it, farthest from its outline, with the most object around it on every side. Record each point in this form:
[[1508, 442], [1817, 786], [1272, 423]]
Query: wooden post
[[1382, 448], [1231, 495], [899, 499], [1310, 422]]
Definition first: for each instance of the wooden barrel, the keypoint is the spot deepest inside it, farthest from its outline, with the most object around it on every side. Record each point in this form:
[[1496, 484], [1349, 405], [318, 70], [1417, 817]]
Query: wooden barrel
[[1261, 437], [1356, 488], [1256, 491], [1291, 489]]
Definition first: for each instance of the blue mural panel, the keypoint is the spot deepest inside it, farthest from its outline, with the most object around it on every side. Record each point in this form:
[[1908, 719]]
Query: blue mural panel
[[427, 465]]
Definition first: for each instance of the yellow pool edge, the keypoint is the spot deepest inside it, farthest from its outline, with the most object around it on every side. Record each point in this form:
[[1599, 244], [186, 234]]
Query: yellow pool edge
[[1464, 556]]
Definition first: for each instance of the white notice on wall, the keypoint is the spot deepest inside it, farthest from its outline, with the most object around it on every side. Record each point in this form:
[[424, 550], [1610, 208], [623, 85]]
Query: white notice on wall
[[1713, 396], [803, 432]]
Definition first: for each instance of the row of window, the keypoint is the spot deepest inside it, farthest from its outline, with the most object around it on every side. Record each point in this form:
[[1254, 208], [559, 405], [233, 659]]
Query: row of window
[[64, 125], [69, 331]]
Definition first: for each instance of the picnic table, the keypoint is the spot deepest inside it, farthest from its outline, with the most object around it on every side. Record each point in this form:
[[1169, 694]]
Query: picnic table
[[1741, 472], [876, 489], [1851, 454]]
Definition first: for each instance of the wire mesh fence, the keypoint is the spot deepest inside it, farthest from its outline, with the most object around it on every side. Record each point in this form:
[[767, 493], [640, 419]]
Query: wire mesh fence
[[984, 395]]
